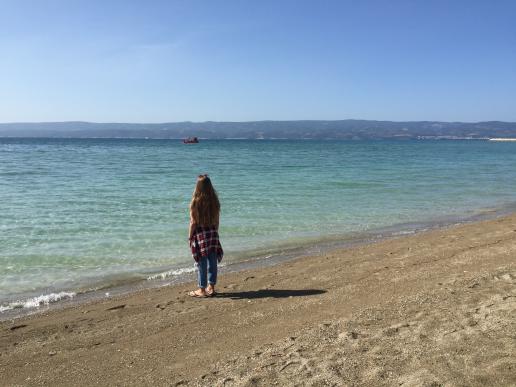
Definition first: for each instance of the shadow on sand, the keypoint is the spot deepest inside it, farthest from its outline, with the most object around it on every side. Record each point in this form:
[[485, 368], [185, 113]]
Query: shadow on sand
[[270, 293]]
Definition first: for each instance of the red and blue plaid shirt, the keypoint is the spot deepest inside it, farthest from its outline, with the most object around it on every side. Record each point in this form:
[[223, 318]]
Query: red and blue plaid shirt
[[204, 241]]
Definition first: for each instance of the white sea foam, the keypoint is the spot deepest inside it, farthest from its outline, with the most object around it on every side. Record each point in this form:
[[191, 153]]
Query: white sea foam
[[171, 273], [404, 232], [36, 302]]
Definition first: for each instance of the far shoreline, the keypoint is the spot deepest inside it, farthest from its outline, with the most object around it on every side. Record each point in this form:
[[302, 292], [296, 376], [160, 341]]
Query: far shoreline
[[202, 139]]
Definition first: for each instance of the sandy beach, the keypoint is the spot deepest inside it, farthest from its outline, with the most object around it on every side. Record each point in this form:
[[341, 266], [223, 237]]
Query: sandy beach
[[436, 308]]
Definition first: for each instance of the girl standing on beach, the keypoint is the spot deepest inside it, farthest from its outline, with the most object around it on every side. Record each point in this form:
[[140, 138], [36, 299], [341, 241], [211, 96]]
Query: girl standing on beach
[[204, 237]]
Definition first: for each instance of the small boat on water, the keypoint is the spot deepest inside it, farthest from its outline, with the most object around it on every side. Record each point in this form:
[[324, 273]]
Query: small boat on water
[[191, 140]]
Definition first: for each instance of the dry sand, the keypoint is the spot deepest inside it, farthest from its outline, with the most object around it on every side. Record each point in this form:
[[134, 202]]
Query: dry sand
[[437, 308]]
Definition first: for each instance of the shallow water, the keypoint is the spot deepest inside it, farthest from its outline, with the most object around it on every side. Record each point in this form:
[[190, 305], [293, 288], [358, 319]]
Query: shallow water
[[80, 214]]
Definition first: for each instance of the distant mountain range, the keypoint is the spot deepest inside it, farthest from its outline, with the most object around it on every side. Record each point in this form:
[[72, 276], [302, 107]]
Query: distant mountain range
[[341, 129]]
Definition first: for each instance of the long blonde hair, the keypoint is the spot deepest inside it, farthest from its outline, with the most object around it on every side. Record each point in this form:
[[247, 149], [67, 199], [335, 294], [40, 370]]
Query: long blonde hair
[[205, 205]]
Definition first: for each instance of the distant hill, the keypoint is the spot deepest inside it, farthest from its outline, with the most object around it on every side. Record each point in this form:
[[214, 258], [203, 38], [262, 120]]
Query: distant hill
[[341, 129]]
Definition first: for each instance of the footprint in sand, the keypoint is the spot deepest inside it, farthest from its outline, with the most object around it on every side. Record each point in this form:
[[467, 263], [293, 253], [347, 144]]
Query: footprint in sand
[[505, 277], [116, 307], [396, 329], [13, 328]]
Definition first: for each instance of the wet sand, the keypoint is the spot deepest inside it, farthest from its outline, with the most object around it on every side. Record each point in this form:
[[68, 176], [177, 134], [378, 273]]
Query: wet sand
[[436, 308]]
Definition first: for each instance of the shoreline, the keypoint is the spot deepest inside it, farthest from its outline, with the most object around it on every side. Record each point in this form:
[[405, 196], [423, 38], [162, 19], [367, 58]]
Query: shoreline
[[436, 307], [64, 298]]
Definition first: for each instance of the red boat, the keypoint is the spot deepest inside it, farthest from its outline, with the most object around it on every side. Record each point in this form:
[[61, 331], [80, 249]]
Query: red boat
[[191, 140]]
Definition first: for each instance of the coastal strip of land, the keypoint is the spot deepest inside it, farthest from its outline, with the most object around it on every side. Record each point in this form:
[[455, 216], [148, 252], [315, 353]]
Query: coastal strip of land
[[435, 308], [502, 139]]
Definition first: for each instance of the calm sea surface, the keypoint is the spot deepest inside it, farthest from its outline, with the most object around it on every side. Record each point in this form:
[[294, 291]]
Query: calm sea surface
[[79, 214]]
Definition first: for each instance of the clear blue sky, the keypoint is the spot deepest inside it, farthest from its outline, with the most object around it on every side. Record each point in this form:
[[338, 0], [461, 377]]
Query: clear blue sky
[[157, 61]]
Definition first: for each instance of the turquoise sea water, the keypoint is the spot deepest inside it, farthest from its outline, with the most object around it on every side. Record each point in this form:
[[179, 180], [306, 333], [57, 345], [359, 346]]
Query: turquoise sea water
[[78, 214]]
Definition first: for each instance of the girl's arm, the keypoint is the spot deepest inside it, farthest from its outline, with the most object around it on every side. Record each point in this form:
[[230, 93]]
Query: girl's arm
[[192, 227]]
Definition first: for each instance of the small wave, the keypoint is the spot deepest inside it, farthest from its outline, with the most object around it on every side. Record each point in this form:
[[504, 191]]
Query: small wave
[[171, 273], [36, 302], [404, 232]]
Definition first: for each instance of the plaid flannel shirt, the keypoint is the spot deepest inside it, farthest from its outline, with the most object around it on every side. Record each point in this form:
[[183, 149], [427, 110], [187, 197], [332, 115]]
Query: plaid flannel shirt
[[204, 241]]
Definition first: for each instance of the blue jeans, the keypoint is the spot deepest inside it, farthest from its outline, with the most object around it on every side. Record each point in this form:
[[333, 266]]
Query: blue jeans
[[207, 270]]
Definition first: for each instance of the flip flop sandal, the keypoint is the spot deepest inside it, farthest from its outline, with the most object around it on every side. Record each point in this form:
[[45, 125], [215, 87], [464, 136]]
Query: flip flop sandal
[[196, 295]]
